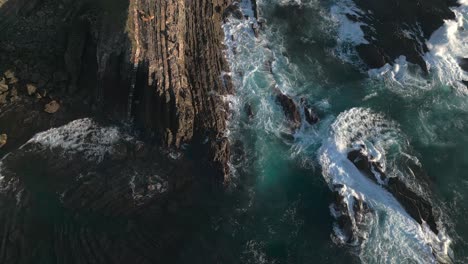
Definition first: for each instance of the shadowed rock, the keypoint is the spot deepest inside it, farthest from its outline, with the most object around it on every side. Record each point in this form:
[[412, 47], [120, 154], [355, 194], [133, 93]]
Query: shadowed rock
[[372, 55]]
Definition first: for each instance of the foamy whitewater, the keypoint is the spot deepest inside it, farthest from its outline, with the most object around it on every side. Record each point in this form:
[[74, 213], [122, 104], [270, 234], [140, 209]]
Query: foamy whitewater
[[391, 228], [81, 136], [447, 46], [387, 112]]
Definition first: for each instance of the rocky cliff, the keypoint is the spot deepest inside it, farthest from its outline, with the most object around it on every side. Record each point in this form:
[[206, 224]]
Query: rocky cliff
[[155, 63]]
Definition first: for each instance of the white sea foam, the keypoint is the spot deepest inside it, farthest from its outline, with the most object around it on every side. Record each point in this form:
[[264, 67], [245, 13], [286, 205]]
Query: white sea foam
[[250, 58], [393, 235], [80, 136], [349, 33], [402, 77], [446, 46]]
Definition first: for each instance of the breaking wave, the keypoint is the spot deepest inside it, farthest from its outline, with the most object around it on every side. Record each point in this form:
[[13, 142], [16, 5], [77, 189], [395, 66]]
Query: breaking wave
[[391, 235], [81, 136]]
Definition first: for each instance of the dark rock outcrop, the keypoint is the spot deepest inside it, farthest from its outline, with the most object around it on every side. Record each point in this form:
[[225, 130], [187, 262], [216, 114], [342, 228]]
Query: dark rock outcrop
[[416, 206], [157, 63], [290, 109]]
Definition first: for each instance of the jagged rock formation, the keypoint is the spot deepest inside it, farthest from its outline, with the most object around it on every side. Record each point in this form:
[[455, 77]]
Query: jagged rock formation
[[159, 63], [182, 87]]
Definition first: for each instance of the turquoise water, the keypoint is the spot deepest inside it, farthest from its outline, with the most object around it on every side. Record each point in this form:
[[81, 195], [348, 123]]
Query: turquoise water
[[285, 178]]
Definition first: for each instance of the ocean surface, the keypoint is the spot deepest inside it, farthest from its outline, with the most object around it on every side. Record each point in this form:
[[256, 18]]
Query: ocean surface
[[279, 205], [306, 49]]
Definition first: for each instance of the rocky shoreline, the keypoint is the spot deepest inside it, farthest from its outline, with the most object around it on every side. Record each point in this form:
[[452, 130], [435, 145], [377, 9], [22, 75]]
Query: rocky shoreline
[[159, 65], [156, 67]]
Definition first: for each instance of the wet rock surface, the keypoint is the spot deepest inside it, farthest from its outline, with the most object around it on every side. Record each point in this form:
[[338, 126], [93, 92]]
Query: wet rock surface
[[290, 109], [155, 63]]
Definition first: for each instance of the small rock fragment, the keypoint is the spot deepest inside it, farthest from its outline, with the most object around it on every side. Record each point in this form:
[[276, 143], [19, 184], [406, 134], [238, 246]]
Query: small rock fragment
[[9, 74], [3, 87], [3, 140], [31, 88], [52, 107]]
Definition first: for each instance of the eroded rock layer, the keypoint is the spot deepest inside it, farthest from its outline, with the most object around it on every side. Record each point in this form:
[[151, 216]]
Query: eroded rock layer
[[158, 63]]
